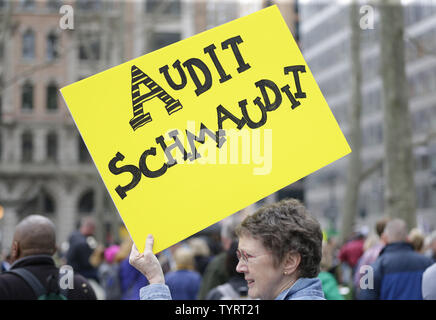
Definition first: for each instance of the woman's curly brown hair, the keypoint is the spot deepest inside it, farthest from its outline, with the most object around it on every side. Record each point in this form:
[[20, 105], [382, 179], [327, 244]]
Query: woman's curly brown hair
[[287, 227]]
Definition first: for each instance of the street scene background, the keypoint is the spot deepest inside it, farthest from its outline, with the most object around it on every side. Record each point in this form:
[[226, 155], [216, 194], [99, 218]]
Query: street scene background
[[374, 61]]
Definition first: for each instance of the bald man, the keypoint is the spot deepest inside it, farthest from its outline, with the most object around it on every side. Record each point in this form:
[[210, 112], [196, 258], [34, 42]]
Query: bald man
[[33, 245], [397, 272]]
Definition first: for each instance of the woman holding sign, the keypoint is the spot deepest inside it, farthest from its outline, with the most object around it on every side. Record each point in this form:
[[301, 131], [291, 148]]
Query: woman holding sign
[[279, 254]]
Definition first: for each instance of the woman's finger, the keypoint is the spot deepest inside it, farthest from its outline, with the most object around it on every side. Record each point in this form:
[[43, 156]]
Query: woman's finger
[[149, 243], [134, 252]]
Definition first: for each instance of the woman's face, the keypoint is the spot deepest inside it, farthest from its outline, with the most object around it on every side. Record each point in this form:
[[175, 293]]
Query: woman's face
[[264, 280]]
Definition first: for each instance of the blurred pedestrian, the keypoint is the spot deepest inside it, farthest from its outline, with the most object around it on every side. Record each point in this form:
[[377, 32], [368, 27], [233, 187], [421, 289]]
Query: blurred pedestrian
[[201, 253], [216, 272], [131, 280], [236, 288], [81, 246], [84, 254], [352, 250], [429, 283], [331, 250], [279, 254], [184, 282], [372, 248], [417, 238], [33, 268], [398, 269], [330, 286], [108, 273], [166, 258]]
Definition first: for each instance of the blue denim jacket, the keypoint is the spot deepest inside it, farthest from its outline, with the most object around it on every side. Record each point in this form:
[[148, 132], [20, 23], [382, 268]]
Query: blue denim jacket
[[302, 289], [155, 291]]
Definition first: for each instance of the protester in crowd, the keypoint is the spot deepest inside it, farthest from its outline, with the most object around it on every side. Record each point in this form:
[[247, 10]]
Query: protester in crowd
[[429, 283], [166, 258], [279, 254], [81, 246], [416, 238], [331, 250], [372, 247], [108, 273], [398, 269], [97, 257], [201, 253], [352, 250], [216, 272], [329, 284], [236, 288], [34, 243], [184, 282]]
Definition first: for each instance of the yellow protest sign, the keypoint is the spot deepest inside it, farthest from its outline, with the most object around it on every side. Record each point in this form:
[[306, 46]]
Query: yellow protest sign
[[191, 133]]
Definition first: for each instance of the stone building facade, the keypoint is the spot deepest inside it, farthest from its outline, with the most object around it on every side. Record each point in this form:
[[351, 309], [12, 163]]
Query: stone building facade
[[45, 167]]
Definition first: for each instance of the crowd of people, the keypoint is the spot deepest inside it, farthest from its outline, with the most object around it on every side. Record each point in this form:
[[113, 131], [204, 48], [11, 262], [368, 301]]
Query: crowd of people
[[279, 252]]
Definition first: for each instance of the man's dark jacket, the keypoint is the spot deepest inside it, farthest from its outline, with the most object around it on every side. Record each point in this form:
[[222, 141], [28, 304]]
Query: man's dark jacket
[[397, 274], [78, 256], [13, 287]]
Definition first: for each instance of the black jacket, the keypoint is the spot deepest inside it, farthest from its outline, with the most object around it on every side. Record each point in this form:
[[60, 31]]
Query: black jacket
[[78, 256], [13, 287]]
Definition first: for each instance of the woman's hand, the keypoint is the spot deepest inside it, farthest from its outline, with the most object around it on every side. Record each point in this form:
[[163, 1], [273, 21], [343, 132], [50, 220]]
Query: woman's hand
[[147, 263]]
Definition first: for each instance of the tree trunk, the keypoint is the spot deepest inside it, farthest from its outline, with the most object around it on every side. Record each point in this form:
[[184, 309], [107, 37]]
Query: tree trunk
[[351, 196], [399, 194]]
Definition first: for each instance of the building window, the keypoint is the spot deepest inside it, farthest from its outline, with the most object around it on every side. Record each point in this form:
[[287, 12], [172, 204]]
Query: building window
[[89, 48], [52, 46], [86, 202], [163, 7], [54, 5], [52, 97], [84, 156], [48, 204], [162, 39], [42, 204], [27, 96], [423, 196], [52, 147], [28, 45], [28, 4], [27, 147], [89, 5]]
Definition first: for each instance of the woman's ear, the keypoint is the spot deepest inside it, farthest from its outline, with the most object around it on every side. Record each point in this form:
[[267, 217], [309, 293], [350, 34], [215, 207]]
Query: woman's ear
[[292, 262]]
